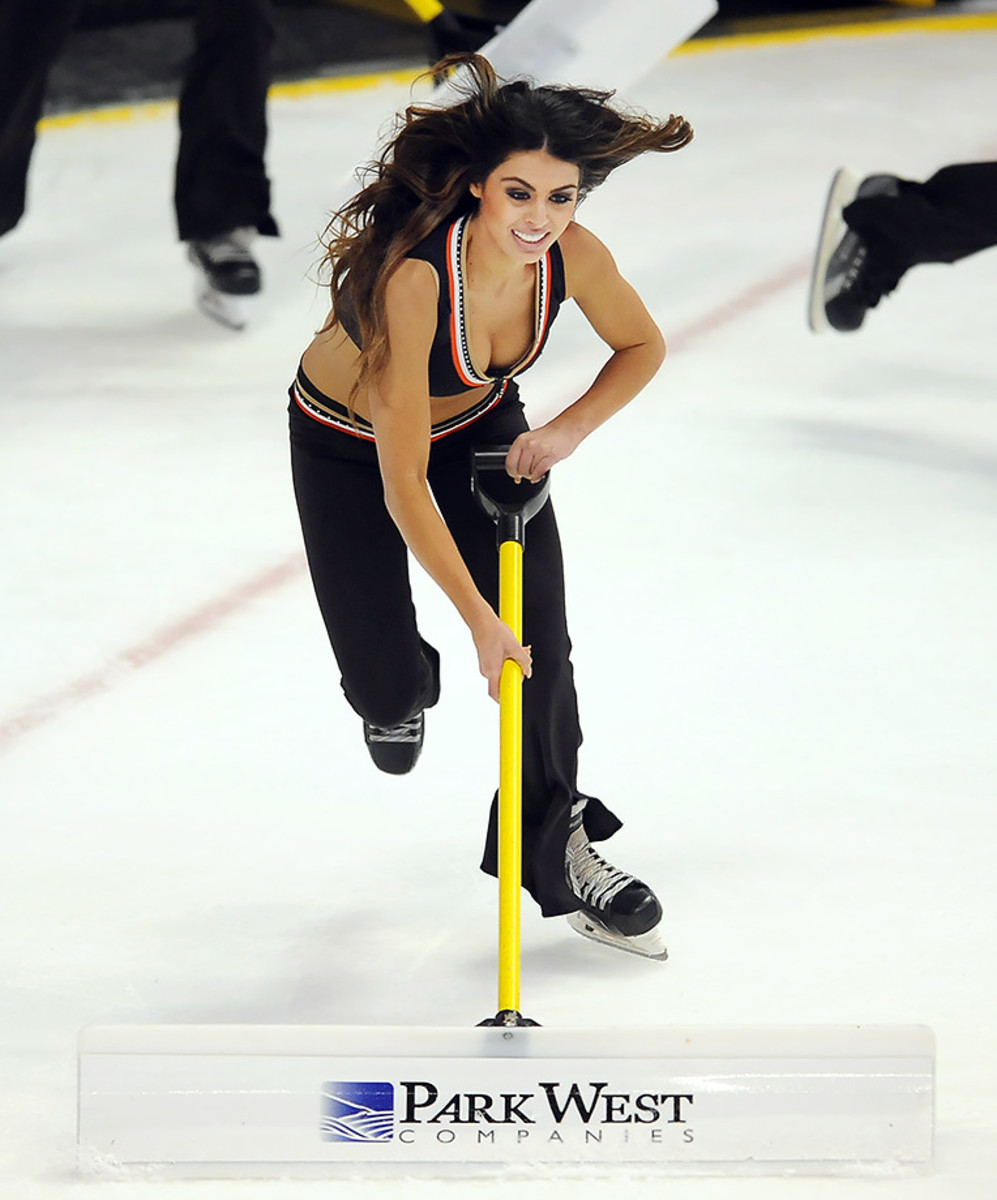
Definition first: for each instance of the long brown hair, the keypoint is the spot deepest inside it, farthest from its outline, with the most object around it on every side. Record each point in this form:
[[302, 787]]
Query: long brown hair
[[423, 175]]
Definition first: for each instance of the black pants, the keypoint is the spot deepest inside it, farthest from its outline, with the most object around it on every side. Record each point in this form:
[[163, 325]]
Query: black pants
[[359, 567], [948, 217], [221, 181]]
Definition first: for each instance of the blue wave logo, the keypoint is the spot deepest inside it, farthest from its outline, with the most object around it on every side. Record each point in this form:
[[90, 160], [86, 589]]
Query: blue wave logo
[[355, 1111]]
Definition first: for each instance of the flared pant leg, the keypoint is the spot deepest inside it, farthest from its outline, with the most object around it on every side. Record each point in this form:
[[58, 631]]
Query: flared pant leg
[[221, 180], [948, 217], [360, 571], [32, 33]]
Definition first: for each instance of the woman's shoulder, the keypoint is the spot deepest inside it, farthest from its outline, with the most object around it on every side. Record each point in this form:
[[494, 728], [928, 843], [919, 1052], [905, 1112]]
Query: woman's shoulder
[[413, 282], [584, 255], [579, 242], [410, 308]]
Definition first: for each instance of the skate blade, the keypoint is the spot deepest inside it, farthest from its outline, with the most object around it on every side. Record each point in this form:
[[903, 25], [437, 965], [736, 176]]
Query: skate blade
[[844, 185], [646, 945], [230, 311]]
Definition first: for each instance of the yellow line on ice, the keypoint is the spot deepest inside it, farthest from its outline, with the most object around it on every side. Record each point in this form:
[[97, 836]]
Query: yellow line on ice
[[856, 29], [153, 110]]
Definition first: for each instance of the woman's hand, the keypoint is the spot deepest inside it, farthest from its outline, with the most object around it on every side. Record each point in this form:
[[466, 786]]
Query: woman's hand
[[495, 642], [534, 452]]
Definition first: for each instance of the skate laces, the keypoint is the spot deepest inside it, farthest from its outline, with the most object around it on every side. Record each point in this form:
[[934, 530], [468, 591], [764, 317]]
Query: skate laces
[[230, 247], [878, 280], [857, 274], [405, 733], [592, 879]]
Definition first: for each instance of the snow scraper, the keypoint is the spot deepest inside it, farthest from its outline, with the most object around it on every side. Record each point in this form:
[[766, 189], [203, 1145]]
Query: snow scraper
[[510, 1096]]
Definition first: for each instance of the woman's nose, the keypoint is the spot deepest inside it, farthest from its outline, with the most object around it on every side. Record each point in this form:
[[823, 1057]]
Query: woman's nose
[[538, 213]]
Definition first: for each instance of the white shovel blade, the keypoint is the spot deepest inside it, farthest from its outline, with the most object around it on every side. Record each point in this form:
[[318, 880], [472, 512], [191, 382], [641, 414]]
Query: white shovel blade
[[594, 43], [275, 1100]]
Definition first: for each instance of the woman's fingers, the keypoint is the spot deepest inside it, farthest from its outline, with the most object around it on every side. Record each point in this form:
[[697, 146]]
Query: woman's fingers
[[521, 655], [534, 452], [528, 460]]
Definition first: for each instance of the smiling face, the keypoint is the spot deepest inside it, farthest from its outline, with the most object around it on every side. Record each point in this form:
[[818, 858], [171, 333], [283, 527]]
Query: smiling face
[[527, 202]]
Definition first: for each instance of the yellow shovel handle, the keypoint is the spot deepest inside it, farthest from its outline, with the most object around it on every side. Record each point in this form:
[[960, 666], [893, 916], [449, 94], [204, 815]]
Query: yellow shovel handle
[[510, 803]]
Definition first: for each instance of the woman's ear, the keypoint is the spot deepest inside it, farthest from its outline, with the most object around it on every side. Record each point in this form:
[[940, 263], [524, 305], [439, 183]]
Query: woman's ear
[[477, 190]]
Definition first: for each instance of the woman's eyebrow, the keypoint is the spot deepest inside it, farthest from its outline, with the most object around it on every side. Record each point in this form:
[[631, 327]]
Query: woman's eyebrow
[[564, 187]]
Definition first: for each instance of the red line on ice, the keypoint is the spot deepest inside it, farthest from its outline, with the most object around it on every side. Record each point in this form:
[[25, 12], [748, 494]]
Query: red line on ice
[[752, 298], [202, 620]]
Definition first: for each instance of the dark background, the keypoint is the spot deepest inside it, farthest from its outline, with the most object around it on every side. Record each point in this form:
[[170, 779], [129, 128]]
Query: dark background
[[128, 50]]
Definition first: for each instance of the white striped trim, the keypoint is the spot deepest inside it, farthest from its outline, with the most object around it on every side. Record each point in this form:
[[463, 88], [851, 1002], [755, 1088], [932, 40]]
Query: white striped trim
[[461, 350]]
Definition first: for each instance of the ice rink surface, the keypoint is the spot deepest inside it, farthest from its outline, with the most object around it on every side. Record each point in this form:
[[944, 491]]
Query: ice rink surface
[[782, 566]]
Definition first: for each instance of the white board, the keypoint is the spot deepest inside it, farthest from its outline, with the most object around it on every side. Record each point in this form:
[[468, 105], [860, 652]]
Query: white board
[[315, 1100], [607, 44]]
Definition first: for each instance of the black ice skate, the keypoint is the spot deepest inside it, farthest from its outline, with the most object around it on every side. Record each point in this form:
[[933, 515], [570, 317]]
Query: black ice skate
[[227, 272], [395, 749], [616, 909], [847, 280]]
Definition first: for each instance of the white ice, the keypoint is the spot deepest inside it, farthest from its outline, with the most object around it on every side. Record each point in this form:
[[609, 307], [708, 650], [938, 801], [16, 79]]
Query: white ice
[[782, 576]]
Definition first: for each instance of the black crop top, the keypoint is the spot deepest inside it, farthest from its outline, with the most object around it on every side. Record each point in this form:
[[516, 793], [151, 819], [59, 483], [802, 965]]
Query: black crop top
[[450, 368]]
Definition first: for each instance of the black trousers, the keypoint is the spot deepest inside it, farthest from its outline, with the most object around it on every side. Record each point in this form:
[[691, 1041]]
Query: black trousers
[[360, 570], [948, 217], [221, 180]]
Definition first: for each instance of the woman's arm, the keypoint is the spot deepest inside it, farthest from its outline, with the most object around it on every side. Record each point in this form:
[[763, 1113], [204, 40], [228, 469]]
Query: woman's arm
[[618, 316], [400, 414]]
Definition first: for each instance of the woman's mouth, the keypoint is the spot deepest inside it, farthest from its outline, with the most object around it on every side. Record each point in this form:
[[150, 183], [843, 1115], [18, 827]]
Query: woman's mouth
[[529, 239]]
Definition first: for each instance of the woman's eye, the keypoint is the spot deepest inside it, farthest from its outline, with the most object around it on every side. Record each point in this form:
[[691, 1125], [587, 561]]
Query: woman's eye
[[517, 194], [562, 199]]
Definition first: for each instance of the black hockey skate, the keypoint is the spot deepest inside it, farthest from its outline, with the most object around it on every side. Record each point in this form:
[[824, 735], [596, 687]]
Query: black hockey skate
[[847, 278], [616, 909], [227, 272], [395, 749]]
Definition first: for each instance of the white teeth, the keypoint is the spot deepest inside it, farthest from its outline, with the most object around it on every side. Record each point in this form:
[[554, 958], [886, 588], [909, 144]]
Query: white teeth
[[533, 240]]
